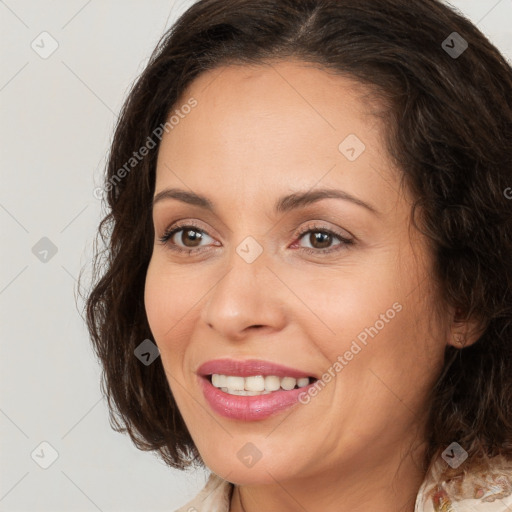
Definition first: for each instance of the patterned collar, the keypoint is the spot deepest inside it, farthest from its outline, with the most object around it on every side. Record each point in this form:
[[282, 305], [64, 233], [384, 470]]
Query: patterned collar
[[487, 491]]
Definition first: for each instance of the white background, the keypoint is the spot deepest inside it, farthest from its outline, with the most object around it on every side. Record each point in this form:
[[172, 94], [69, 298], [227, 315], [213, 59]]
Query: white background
[[56, 121]]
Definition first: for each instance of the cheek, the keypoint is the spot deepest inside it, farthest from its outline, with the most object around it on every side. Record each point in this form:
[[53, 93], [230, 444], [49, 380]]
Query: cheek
[[381, 350], [155, 302], [173, 298], [353, 305], [168, 301], [163, 311], [380, 318]]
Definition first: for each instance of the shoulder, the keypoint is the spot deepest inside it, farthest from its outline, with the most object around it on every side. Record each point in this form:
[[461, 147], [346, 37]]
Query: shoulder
[[483, 490], [214, 497]]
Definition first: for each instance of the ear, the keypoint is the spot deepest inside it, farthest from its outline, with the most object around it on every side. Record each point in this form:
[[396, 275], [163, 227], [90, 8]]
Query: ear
[[465, 331]]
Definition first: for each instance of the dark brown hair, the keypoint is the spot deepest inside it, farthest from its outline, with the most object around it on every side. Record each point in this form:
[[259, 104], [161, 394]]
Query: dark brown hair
[[449, 131]]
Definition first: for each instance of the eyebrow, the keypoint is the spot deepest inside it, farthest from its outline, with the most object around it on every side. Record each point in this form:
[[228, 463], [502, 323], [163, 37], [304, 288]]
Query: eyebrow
[[282, 205]]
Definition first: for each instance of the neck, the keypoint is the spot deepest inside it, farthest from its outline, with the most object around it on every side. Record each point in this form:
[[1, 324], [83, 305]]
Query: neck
[[388, 485]]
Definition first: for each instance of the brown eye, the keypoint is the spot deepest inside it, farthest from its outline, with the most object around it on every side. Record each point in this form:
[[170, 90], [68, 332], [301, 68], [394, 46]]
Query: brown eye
[[320, 239], [190, 237]]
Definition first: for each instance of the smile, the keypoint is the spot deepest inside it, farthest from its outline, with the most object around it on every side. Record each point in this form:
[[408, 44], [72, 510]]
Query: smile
[[256, 384]]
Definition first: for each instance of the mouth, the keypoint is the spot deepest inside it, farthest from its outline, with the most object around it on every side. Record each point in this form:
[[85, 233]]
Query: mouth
[[252, 389], [255, 385]]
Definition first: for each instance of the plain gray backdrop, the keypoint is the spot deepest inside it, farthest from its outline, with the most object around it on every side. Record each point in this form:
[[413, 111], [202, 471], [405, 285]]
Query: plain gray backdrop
[[66, 69]]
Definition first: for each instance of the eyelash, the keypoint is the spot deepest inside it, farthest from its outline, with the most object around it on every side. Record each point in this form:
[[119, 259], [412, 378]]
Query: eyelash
[[308, 229]]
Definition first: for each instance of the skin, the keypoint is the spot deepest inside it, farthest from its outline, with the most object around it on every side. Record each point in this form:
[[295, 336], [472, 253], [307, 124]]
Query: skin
[[256, 134]]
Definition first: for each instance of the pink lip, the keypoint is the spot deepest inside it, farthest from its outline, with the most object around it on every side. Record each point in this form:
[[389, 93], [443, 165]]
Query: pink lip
[[249, 367], [249, 408]]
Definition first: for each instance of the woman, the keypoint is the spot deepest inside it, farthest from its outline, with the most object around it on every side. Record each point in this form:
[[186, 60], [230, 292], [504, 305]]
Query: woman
[[307, 281]]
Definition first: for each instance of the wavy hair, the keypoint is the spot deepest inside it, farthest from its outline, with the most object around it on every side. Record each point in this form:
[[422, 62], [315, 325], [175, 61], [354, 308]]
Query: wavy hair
[[448, 125]]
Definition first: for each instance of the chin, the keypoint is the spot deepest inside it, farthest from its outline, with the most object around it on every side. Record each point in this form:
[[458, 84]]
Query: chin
[[265, 470]]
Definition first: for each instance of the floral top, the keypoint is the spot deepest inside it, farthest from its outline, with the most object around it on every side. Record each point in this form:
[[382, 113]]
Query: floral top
[[490, 491]]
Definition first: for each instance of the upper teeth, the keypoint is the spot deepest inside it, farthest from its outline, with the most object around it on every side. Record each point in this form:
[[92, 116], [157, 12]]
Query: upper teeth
[[257, 384]]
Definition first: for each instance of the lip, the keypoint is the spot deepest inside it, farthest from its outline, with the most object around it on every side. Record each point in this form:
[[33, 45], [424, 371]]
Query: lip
[[249, 408], [250, 367]]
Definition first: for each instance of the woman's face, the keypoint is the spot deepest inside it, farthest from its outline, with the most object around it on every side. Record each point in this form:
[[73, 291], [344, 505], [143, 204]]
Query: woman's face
[[355, 315]]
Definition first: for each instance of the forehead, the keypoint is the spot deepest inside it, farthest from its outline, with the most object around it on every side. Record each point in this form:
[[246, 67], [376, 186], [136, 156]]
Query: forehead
[[286, 124]]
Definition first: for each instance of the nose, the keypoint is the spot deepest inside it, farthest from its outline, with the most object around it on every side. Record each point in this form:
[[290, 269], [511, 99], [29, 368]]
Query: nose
[[247, 298]]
